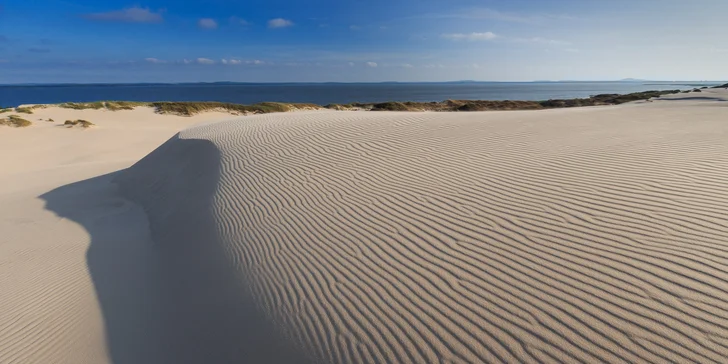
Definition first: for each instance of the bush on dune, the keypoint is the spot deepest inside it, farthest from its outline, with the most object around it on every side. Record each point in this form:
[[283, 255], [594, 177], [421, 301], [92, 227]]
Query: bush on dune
[[98, 105], [79, 122], [193, 108], [15, 121], [24, 110]]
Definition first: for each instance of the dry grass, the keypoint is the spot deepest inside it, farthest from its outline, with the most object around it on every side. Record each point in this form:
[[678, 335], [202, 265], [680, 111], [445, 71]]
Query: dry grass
[[24, 110], [192, 108], [484, 105], [15, 121], [79, 122]]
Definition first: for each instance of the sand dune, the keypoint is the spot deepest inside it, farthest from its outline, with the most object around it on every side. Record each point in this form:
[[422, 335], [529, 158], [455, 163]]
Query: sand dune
[[573, 235], [587, 235]]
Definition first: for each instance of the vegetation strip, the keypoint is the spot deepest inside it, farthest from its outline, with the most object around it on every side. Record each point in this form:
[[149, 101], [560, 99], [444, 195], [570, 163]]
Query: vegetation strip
[[193, 107]]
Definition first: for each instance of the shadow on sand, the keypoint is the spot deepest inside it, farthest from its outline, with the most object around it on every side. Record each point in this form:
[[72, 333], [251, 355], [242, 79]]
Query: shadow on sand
[[166, 286]]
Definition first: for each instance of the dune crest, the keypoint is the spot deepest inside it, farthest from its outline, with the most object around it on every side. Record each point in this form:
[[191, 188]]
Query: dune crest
[[590, 235]]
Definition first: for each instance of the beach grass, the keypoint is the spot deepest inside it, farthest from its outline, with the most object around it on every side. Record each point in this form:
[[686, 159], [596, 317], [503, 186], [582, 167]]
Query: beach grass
[[24, 110], [192, 108], [15, 121], [79, 122]]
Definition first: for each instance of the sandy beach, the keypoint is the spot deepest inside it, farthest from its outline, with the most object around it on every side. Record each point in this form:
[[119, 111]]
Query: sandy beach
[[580, 235]]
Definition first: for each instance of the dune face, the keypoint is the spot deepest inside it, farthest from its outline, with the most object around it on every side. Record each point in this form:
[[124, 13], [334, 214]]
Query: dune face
[[581, 236]]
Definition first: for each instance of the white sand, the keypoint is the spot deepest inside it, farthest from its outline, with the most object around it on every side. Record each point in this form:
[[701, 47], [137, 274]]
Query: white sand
[[574, 235]]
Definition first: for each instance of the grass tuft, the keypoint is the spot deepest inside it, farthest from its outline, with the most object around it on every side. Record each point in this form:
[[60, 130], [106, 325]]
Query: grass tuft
[[15, 121], [79, 122], [24, 110], [193, 108]]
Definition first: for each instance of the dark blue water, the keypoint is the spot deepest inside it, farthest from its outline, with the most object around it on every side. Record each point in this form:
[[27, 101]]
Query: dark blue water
[[323, 93]]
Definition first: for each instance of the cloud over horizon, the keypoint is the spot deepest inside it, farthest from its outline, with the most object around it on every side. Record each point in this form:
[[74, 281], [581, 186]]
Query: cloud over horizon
[[127, 15], [469, 36], [207, 23], [279, 23], [205, 61]]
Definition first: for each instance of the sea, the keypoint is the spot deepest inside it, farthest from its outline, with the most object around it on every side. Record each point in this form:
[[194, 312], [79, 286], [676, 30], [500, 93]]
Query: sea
[[325, 93]]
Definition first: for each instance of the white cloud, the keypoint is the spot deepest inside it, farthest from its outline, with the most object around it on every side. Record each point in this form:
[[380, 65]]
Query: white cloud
[[492, 14], [470, 36], [354, 27], [207, 23], [186, 61], [407, 65], [236, 20], [231, 61], [205, 61], [154, 60], [279, 23], [255, 61], [372, 64], [128, 15], [351, 64]]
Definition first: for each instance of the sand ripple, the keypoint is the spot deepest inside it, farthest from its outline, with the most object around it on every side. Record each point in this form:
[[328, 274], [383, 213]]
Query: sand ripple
[[568, 236]]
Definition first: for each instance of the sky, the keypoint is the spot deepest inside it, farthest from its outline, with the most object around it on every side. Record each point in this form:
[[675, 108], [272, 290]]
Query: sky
[[89, 41]]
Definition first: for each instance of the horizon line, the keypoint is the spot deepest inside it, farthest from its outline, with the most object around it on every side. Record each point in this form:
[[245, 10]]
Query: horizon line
[[340, 82]]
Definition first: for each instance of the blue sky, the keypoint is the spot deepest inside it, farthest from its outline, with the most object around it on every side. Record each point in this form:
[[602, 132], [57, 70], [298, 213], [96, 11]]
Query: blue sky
[[374, 40]]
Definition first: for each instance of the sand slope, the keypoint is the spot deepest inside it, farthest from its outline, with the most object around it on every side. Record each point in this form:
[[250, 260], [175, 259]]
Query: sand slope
[[584, 235], [75, 265]]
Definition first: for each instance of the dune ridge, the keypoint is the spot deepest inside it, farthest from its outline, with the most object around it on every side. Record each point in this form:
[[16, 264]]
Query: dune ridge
[[584, 235]]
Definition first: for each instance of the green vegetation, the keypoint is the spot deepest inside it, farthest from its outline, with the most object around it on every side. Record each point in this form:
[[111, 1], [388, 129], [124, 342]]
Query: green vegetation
[[5, 109], [477, 105], [24, 110], [83, 105], [15, 121], [109, 105], [192, 108], [79, 122]]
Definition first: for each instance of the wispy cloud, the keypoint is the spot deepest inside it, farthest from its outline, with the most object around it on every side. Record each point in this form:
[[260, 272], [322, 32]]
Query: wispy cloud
[[207, 23], [354, 27], [234, 62], [407, 65], [128, 15], [372, 64], [39, 50], [279, 23], [205, 61], [489, 36], [496, 15], [154, 60], [239, 21], [470, 36]]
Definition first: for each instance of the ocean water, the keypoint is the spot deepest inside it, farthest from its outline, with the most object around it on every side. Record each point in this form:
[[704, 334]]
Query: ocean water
[[324, 93]]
